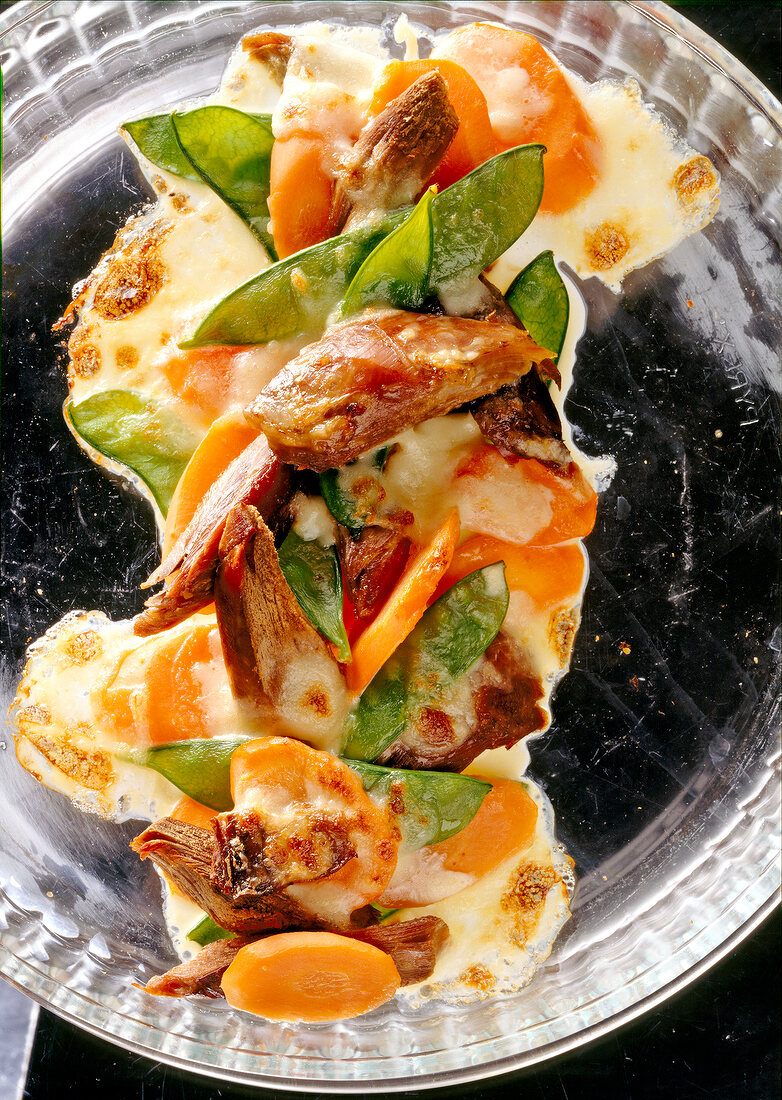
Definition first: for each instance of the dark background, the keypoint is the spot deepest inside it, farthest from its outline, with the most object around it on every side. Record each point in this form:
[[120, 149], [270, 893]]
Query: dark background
[[718, 1038]]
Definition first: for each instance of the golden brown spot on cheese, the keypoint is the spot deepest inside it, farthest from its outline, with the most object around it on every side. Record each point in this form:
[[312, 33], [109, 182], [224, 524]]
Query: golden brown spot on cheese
[[85, 357], [526, 896], [127, 357], [159, 184], [90, 768], [134, 275], [180, 202], [692, 179], [562, 632], [606, 245], [478, 977], [36, 713], [435, 727], [85, 646], [299, 280], [317, 698]]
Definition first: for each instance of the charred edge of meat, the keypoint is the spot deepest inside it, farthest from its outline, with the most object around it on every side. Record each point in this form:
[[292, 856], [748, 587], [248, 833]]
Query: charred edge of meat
[[272, 49], [505, 713], [256, 477], [201, 974], [262, 626], [184, 853], [521, 419], [412, 944], [371, 564], [249, 863], [397, 152]]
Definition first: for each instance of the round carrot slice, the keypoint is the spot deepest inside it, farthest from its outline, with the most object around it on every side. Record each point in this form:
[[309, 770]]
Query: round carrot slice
[[530, 100], [504, 824], [312, 977]]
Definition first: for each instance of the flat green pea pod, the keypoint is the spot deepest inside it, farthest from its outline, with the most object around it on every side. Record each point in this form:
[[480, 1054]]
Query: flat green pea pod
[[479, 217], [451, 635], [474, 221], [296, 294], [138, 433], [200, 767], [397, 271], [208, 931], [430, 806], [313, 575], [156, 139], [231, 151], [540, 300]]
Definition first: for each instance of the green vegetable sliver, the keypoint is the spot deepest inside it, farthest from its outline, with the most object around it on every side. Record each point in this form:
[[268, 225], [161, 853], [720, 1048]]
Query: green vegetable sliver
[[231, 151], [539, 299], [450, 637], [437, 805], [208, 931], [313, 575], [200, 767], [138, 433]]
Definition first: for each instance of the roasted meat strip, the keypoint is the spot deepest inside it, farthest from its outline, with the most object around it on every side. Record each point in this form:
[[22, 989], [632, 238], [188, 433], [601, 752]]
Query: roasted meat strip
[[255, 477], [274, 655], [201, 974], [396, 152], [185, 854], [506, 707], [272, 49], [371, 565], [369, 379], [521, 419], [412, 944]]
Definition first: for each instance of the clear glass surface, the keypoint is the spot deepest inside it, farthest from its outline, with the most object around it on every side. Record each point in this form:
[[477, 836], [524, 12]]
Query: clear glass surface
[[662, 762]]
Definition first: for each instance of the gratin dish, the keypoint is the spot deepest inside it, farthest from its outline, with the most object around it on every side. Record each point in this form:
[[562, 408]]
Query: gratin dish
[[662, 761]]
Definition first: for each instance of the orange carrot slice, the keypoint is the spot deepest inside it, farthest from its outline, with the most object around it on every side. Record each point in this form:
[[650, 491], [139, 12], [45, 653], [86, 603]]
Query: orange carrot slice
[[300, 193], [227, 438], [202, 379], [530, 100], [574, 502], [157, 693], [404, 607], [548, 574], [311, 977], [504, 824], [194, 813], [474, 142]]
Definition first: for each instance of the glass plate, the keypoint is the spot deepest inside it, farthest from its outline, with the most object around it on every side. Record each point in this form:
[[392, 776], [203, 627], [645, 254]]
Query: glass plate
[[662, 760]]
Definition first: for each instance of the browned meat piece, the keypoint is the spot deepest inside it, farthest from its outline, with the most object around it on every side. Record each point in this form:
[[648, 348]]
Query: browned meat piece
[[396, 152], [184, 853], [368, 379], [506, 698], [249, 863], [412, 944], [521, 419], [200, 974], [272, 49], [273, 653], [256, 477], [371, 565]]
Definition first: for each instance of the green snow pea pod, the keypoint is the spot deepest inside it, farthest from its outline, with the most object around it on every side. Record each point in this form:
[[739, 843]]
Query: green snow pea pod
[[430, 806], [540, 300], [208, 931], [140, 434], [200, 767], [313, 575], [231, 151], [156, 139], [397, 271]]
